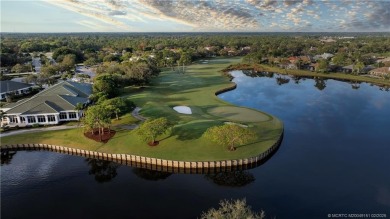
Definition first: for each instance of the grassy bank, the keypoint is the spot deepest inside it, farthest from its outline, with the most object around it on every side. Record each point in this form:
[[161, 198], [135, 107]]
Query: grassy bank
[[337, 76], [196, 89]]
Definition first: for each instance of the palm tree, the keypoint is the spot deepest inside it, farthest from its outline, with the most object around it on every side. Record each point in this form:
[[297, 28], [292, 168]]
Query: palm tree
[[79, 107]]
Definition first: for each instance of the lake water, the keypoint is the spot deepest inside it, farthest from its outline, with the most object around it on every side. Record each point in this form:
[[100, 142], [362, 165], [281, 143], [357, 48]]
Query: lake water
[[334, 159]]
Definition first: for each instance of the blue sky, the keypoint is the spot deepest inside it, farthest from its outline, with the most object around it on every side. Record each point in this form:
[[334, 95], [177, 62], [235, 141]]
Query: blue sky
[[194, 16]]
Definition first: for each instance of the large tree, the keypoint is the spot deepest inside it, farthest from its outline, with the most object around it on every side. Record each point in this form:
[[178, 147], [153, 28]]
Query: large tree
[[185, 59], [18, 68], [151, 129], [118, 106], [68, 63], [141, 73], [323, 65], [230, 135], [105, 84], [97, 117], [232, 210]]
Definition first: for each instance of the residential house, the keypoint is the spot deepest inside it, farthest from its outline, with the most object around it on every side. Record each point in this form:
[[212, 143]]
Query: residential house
[[51, 106], [382, 72], [347, 69], [293, 59], [288, 66], [13, 87], [4, 70], [367, 69], [327, 40], [323, 56], [310, 67], [383, 60]]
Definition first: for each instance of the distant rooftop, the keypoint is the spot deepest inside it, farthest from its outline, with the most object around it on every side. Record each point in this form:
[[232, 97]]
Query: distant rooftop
[[60, 97], [7, 86]]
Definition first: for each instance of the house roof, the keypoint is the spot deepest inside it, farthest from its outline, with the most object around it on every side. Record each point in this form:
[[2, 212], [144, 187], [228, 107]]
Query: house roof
[[384, 60], [60, 97], [7, 86], [383, 70], [43, 107], [349, 67]]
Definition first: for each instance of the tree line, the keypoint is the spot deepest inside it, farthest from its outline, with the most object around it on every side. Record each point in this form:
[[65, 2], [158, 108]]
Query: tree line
[[96, 48]]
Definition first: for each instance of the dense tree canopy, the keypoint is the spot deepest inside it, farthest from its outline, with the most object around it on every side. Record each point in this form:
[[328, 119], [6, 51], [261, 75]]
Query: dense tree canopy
[[233, 209], [151, 129], [230, 135], [106, 85], [97, 117]]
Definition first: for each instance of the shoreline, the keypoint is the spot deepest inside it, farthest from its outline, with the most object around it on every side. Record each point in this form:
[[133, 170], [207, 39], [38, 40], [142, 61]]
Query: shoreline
[[302, 73], [276, 139], [172, 166]]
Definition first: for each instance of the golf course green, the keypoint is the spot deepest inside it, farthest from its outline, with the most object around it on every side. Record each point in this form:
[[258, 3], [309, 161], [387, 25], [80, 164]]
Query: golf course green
[[195, 88]]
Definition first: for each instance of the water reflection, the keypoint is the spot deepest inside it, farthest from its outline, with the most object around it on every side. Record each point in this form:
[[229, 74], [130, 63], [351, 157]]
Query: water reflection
[[103, 170], [297, 79], [282, 80], [234, 179], [253, 73], [384, 88], [6, 157], [355, 84], [320, 83], [152, 175]]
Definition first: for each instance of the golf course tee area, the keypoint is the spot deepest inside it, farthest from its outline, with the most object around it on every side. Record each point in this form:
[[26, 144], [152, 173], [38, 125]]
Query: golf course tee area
[[192, 91]]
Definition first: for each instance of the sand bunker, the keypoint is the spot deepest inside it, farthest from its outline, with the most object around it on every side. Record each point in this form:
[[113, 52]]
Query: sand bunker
[[233, 123], [183, 109]]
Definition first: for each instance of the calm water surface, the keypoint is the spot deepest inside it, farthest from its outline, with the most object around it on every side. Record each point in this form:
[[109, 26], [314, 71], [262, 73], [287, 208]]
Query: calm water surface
[[334, 159]]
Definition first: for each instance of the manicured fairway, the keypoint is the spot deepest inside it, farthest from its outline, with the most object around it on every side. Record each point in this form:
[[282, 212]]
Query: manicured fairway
[[196, 89], [239, 114]]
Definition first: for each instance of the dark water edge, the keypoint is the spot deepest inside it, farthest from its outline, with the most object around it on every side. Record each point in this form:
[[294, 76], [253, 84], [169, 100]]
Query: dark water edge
[[334, 158]]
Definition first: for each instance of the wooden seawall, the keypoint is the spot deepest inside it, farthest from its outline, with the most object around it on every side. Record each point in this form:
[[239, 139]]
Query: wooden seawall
[[172, 166]]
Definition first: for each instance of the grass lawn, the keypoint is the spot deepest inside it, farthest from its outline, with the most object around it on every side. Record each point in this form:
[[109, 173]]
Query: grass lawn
[[196, 89]]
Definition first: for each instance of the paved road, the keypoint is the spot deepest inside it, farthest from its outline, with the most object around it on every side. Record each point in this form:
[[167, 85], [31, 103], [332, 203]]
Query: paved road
[[51, 128], [135, 113]]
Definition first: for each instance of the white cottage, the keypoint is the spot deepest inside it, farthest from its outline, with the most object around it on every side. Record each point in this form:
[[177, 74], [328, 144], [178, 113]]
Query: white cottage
[[13, 87], [51, 106]]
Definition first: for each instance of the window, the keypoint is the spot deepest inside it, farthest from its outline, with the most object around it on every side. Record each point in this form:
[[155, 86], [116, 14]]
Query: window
[[16, 92], [13, 119], [51, 118], [63, 116], [22, 119], [22, 91], [72, 115], [41, 118], [31, 119]]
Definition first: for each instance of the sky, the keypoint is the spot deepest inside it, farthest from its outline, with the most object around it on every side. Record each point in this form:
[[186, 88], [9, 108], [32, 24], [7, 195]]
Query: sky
[[195, 16]]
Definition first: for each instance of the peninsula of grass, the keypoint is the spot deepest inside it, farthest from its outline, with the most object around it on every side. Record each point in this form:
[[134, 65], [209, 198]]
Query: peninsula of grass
[[196, 89], [305, 73]]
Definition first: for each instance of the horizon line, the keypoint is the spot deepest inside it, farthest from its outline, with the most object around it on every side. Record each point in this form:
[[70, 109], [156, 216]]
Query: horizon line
[[8, 32]]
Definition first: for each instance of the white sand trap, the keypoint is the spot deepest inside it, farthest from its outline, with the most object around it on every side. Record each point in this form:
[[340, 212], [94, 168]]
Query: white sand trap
[[233, 123], [183, 109]]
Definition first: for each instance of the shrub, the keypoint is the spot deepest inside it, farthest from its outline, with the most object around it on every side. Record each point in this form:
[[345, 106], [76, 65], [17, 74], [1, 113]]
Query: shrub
[[232, 210]]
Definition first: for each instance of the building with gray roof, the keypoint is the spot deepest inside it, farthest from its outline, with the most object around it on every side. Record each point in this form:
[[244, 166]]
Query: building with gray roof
[[13, 87], [53, 105]]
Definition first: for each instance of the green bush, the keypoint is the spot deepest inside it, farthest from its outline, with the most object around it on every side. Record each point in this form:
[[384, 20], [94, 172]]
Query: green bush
[[35, 125]]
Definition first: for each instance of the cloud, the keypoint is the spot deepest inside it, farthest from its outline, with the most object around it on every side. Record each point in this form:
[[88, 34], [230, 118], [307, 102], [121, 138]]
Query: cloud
[[114, 13], [240, 15], [89, 10], [221, 15]]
